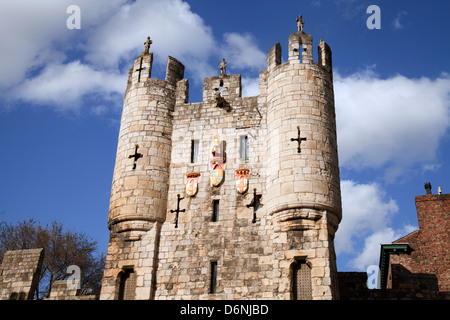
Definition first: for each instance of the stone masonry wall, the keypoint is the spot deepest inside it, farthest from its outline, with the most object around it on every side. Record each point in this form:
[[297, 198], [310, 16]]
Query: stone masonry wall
[[431, 243], [242, 249], [19, 273], [352, 286]]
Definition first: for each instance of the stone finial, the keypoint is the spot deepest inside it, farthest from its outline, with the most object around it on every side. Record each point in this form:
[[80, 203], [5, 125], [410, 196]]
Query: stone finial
[[300, 23], [223, 67], [428, 187], [147, 45]]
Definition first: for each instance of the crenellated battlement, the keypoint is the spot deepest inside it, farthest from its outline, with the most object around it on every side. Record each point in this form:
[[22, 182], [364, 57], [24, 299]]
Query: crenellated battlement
[[300, 51], [222, 88], [141, 71], [324, 53], [174, 70]]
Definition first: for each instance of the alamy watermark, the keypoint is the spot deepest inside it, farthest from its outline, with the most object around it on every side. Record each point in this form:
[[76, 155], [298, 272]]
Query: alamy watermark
[[373, 277], [74, 280], [374, 21], [74, 20]]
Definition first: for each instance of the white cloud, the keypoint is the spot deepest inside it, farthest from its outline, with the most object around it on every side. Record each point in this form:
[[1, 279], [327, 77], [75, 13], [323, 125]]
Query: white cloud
[[64, 85], [35, 33], [365, 210], [350, 8], [243, 51], [173, 28], [26, 38], [431, 167], [370, 253], [250, 87], [36, 64], [397, 24], [41, 68], [366, 218], [395, 122]]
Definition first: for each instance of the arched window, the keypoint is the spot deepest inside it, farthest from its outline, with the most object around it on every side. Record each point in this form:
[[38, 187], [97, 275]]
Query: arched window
[[301, 281], [127, 285]]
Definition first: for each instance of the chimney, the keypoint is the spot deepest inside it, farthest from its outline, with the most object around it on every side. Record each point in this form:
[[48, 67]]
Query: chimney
[[428, 187], [439, 190]]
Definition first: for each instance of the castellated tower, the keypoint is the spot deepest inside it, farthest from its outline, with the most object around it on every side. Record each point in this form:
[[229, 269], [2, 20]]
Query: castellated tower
[[138, 202], [232, 197], [303, 185]]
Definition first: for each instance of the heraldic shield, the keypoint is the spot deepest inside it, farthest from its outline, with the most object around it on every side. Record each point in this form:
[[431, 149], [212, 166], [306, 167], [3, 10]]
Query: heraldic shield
[[192, 183], [242, 180], [216, 175]]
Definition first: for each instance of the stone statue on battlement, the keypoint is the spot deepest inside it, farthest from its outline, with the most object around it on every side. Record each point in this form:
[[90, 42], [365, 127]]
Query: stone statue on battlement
[[147, 45], [300, 23], [223, 67]]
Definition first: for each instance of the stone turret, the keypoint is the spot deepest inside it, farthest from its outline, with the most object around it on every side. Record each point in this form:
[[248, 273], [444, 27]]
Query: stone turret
[[138, 203], [303, 188]]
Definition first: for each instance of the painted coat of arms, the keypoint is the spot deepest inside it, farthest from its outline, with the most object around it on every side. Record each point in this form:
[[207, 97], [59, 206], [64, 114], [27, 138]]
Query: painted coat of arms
[[242, 180], [192, 183], [217, 162], [216, 175]]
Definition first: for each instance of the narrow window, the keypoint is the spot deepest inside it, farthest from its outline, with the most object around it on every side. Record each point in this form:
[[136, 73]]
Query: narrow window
[[127, 289], [244, 147], [215, 216], [213, 282], [300, 52], [194, 150], [301, 281]]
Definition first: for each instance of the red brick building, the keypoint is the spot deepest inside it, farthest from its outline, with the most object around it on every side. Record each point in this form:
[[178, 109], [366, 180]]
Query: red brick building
[[429, 247], [415, 266]]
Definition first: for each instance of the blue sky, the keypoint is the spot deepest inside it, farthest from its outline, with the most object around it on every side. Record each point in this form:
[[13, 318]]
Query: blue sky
[[61, 94]]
